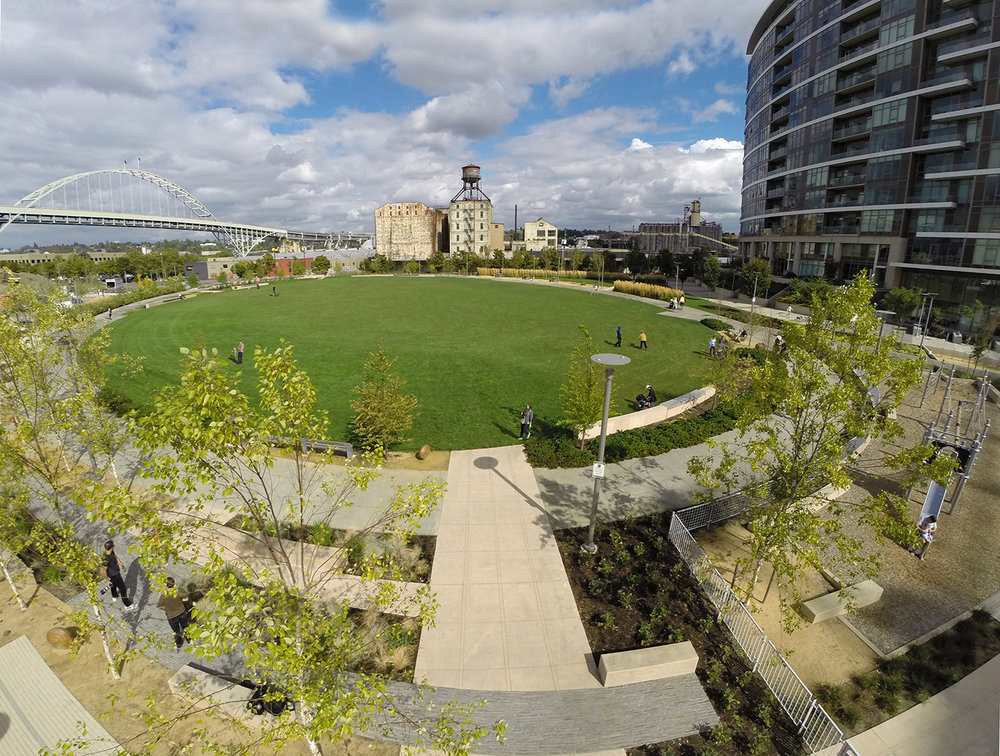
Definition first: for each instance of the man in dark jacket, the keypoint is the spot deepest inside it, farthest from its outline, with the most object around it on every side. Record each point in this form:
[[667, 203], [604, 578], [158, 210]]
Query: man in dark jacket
[[113, 575]]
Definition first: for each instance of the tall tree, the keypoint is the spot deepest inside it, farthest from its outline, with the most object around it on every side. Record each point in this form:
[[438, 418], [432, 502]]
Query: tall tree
[[582, 394], [800, 406], [383, 413]]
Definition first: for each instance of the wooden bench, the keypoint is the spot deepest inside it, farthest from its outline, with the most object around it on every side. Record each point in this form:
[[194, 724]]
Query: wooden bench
[[643, 664], [835, 604], [319, 445]]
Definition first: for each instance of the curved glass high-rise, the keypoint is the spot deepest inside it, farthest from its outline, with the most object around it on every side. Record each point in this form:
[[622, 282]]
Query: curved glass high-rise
[[873, 143]]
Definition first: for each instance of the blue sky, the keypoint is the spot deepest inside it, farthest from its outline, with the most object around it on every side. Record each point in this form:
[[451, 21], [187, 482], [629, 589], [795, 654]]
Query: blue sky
[[309, 114]]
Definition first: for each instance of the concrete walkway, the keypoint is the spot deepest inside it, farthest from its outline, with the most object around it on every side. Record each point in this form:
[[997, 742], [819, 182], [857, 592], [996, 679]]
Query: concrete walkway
[[507, 617]]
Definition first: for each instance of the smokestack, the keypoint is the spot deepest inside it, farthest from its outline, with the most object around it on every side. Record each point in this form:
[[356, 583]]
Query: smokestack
[[515, 218]]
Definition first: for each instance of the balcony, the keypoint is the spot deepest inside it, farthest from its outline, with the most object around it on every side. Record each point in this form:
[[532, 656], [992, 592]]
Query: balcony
[[958, 27], [777, 152], [775, 93], [780, 111], [861, 98], [783, 72], [847, 179], [855, 80], [857, 50], [862, 31], [783, 35], [852, 129], [842, 228], [846, 200], [777, 192]]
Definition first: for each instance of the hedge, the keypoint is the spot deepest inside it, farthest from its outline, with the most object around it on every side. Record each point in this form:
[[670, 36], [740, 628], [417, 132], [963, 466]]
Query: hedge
[[97, 306], [647, 290], [561, 450], [716, 325]]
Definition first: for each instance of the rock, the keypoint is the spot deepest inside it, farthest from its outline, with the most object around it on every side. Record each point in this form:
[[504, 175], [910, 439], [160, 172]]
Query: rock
[[424, 453], [61, 637]]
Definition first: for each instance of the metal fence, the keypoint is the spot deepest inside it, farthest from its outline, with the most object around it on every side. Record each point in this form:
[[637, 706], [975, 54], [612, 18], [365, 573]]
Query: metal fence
[[817, 729]]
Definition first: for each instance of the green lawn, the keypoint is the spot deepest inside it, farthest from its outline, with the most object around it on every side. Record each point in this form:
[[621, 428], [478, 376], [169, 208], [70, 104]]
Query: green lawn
[[474, 351]]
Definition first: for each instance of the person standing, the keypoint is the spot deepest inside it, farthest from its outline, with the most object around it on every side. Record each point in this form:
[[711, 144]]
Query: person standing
[[650, 396], [109, 313], [113, 575], [711, 346], [526, 417], [618, 335], [682, 301], [239, 354], [642, 340], [176, 608]]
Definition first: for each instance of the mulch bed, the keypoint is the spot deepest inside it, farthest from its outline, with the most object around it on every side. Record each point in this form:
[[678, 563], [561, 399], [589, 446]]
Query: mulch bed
[[637, 591]]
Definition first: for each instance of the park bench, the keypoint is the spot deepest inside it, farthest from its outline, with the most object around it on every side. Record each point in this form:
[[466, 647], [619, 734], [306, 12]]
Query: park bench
[[644, 664], [835, 604], [318, 445]]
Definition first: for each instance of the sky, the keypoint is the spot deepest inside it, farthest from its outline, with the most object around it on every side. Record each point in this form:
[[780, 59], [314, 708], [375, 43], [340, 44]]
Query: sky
[[309, 114]]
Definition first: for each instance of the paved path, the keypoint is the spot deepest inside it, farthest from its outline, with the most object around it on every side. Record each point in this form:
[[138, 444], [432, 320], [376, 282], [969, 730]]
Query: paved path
[[507, 617]]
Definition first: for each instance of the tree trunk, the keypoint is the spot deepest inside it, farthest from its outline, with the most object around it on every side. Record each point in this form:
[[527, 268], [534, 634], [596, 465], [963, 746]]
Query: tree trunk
[[106, 643], [13, 588]]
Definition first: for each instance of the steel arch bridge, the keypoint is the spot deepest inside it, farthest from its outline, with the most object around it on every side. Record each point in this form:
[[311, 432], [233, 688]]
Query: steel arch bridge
[[144, 200]]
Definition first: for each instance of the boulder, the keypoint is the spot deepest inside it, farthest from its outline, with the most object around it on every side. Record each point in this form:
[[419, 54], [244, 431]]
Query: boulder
[[424, 453], [61, 637]]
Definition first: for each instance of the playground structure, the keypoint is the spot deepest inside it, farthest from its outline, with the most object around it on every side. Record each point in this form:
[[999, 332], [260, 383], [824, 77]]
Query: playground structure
[[963, 441]]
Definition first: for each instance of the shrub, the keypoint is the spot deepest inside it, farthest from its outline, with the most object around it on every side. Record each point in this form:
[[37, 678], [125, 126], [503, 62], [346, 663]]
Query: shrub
[[716, 325], [97, 306], [647, 290], [116, 401]]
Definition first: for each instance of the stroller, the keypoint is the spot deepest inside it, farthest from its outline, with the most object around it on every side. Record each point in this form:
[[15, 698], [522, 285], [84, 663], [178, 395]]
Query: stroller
[[642, 402]]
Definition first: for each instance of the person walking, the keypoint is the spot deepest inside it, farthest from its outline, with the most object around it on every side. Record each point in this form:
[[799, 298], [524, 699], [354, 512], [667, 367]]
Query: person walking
[[618, 335], [711, 346], [239, 354], [526, 417], [682, 301], [113, 575], [642, 340], [176, 607], [109, 313]]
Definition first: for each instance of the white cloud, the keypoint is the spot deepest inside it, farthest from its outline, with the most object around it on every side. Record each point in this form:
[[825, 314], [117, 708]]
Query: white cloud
[[723, 88], [638, 144], [211, 96], [713, 111], [681, 65]]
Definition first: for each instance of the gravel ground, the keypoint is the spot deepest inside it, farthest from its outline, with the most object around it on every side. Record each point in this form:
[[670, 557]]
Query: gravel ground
[[961, 568]]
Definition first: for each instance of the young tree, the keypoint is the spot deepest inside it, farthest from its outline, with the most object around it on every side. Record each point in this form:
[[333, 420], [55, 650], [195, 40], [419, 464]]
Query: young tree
[[711, 272], [411, 268], [755, 277], [664, 262], [298, 267], [383, 413], [498, 260], [902, 301], [280, 604], [321, 265], [636, 262], [266, 263], [582, 394], [800, 407], [436, 261]]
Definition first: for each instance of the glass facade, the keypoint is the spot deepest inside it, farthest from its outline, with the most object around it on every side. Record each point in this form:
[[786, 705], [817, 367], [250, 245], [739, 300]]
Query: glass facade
[[873, 140]]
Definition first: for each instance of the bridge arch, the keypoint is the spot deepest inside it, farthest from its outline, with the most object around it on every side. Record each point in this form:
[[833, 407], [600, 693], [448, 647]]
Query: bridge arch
[[241, 238]]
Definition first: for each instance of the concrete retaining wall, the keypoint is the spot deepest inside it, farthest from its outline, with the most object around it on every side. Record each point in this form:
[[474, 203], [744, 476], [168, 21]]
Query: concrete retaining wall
[[654, 415]]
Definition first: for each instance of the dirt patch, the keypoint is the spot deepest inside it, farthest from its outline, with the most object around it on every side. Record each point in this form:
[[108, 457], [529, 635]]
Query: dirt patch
[[638, 592], [86, 676]]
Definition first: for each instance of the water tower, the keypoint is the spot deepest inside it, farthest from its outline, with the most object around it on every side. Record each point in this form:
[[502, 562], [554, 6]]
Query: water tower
[[470, 185]]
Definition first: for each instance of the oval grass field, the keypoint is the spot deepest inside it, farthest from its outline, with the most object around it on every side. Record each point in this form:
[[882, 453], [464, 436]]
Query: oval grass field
[[473, 350]]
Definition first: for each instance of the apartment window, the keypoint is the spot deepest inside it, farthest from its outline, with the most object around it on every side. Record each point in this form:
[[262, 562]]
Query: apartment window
[[929, 220], [989, 220], [892, 8], [895, 30], [889, 112], [986, 253], [877, 221], [817, 176]]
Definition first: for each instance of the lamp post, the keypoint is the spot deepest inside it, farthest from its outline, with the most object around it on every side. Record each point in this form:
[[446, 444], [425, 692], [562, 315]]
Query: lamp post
[[610, 362], [882, 315]]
